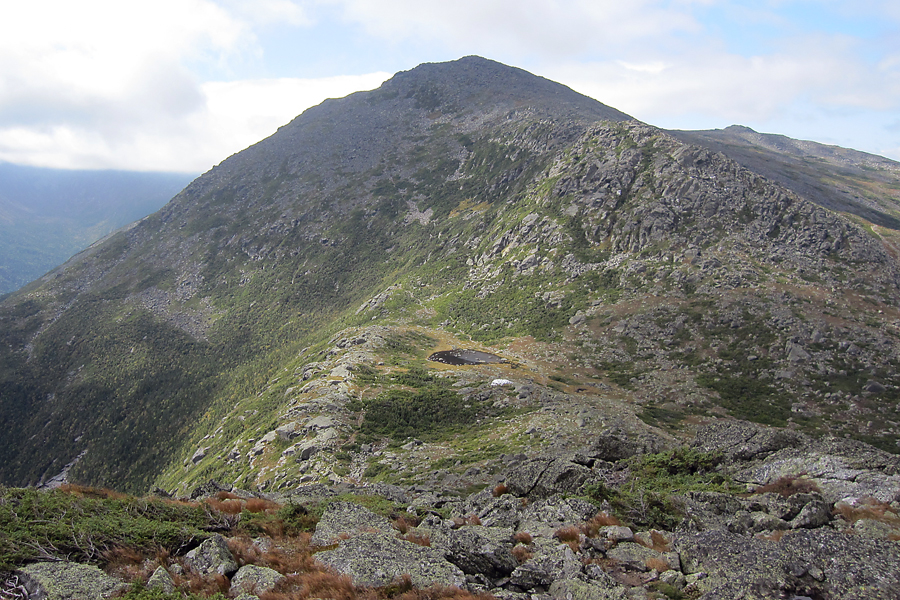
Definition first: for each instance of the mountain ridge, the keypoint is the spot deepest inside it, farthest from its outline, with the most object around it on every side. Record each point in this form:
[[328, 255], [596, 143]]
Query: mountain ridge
[[465, 204]]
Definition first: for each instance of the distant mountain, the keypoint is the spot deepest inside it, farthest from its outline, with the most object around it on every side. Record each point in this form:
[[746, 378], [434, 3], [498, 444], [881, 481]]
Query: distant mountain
[[47, 215], [270, 326], [839, 179]]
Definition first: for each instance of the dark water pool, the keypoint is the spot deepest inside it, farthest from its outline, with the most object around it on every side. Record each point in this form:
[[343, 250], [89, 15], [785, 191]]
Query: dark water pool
[[465, 357]]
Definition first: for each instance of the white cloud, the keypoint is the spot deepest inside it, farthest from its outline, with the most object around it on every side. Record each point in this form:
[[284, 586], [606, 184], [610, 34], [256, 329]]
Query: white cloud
[[230, 117], [527, 27]]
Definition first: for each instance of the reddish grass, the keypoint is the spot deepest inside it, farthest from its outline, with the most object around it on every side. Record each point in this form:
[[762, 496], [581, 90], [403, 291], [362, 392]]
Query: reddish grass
[[500, 490], [789, 485], [775, 536], [657, 564], [471, 519], [228, 507], [522, 537], [871, 508], [223, 495], [418, 538], [568, 534], [84, 491], [404, 523], [258, 505], [521, 554], [592, 527], [657, 542]]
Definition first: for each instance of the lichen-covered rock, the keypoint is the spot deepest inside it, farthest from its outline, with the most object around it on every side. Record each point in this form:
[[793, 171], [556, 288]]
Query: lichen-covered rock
[[636, 556], [817, 563], [551, 562], [377, 559], [255, 579], [576, 589], [212, 556], [479, 550], [343, 519], [742, 441], [544, 517], [162, 580], [543, 477], [68, 581]]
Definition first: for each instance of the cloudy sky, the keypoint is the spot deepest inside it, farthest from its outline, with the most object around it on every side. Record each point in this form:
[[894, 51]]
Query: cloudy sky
[[180, 85]]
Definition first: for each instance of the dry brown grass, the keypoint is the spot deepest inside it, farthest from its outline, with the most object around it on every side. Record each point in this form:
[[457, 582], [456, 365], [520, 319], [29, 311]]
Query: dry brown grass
[[404, 523], [592, 527], [522, 537], [418, 538], [521, 554], [789, 485], [775, 536], [500, 490], [657, 541], [471, 519], [229, 507], [258, 505], [571, 536], [870, 508], [657, 564], [84, 491]]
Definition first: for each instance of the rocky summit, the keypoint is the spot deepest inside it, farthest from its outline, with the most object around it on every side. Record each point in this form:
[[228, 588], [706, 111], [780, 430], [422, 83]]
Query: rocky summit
[[665, 364]]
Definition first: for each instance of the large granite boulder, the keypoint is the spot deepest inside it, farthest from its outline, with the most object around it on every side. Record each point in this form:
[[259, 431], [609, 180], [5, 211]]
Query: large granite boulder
[[68, 581], [543, 477], [478, 550], [346, 519], [813, 563], [255, 580], [211, 557], [377, 559]]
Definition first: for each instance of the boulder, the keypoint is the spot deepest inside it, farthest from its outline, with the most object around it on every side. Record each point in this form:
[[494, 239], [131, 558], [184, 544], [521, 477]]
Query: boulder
[[542, 477], [550, 563], [161, 580], [212, 556], [255, 580], [346, 519], [377, 559], [479, 550], [815, 563], [68, 581], [576, 589], [743, 441]]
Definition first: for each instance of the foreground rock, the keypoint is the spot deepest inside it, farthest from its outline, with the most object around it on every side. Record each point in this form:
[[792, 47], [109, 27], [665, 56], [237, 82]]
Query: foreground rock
[[68, 581], [820, 563], [377, 559]]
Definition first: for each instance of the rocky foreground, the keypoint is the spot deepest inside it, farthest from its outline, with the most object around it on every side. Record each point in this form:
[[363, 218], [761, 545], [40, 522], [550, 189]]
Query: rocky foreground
[[794, 518]]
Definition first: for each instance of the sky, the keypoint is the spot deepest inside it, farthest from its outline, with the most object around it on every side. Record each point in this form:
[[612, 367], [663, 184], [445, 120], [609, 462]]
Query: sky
[[179, 85]]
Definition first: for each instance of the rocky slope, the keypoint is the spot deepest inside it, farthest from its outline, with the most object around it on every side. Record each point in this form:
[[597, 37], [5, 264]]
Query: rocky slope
[[728, 516], [270, 326]]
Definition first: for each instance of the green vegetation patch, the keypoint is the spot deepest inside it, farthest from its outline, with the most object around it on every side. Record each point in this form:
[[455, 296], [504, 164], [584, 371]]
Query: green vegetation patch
[[36, 524], [650, 497], [427, 412]]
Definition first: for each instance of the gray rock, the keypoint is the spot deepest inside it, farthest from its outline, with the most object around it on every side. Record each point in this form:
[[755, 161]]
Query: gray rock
[[345, 519], [550, 563], [819, 563], [376, 559], [479, 550], [68, 581], [212, 556], [814, 513], [162, 580], [742, 441], [576, 589], [255, 580], [542, 477], [636, 556]]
